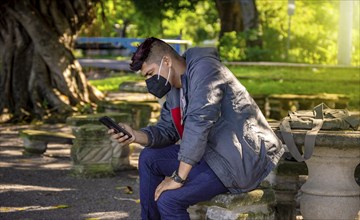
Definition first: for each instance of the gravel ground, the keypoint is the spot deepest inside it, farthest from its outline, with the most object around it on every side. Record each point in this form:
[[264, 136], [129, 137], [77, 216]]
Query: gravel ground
[[41, 187]]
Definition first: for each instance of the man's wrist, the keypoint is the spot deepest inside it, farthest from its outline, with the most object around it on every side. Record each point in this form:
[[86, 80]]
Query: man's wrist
[[141, 137], [175, 176]]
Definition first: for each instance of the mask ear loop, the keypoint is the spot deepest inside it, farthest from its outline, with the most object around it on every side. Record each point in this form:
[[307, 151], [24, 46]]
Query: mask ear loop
[[160, 68], [167, 80]]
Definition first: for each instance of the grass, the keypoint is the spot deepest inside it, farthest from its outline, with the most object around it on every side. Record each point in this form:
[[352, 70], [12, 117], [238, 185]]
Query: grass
[[278, 80], [301, 80], [112, 83]]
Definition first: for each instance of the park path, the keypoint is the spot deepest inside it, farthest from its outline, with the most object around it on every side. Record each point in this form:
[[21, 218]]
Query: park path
[[41, 187]]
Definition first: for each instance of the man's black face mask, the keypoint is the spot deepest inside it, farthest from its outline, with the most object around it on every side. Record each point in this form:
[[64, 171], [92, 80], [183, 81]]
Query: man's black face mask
[[158, 86]]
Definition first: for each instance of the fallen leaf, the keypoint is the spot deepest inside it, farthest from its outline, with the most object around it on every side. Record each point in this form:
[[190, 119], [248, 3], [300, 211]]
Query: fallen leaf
[[127, 189], [137, 201], [4, 209], [61, 206]]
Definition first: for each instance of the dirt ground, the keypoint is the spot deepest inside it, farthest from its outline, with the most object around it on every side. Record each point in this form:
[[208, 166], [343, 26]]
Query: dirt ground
[[41, 187]]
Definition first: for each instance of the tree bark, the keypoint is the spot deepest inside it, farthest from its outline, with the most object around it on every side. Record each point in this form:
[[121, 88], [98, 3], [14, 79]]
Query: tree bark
[[231, 17], [39, 74], [238, 16]]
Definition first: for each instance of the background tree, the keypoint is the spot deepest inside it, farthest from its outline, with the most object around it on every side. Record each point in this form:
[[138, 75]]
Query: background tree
[[313, 32], [154, 12], [234, 16], [191, 20], [39, 74], [238, 16], [114, 18], [199, 25]]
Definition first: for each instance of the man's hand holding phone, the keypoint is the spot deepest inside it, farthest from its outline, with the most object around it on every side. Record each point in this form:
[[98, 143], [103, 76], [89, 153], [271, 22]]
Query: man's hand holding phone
[[122, 137], [122, 133]]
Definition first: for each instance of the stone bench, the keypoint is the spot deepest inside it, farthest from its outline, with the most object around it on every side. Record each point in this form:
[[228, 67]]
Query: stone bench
[[329, 192], [142, 113], [79, 120], [274, 199], [93, 153], [257, 204], [36, 141]]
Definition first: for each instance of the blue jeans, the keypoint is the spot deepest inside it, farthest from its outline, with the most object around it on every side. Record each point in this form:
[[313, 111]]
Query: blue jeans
[[154, 165]]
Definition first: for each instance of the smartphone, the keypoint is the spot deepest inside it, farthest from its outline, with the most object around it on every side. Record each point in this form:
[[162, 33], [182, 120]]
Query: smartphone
[[111, 124]]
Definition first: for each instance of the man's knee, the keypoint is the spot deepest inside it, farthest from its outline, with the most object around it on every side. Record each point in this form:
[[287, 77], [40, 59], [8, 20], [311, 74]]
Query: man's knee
[[169, 203], [147, 155]]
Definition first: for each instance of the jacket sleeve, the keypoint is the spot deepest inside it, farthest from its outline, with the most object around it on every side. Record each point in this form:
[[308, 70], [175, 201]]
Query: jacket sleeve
[[206, 89], [163, 133]]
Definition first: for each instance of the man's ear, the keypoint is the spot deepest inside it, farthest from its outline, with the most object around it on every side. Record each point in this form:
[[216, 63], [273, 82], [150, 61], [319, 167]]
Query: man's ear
[[167, 61]]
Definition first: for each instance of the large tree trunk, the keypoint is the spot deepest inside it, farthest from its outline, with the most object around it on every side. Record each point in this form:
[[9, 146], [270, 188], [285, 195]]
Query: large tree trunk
[[238, 16], [39, 75]]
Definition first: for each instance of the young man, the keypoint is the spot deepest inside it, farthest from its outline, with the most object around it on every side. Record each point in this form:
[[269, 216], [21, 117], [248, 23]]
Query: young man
[[211, 137]]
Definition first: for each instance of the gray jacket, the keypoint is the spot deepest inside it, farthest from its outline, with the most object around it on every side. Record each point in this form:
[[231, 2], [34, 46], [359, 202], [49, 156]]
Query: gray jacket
[[222, 124]]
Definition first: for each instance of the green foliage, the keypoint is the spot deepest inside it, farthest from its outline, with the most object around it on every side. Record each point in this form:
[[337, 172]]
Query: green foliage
[[157, 9], [233, 46], [192, 20], [196, 25], [313, 36], [112, 17], [314, 31]]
